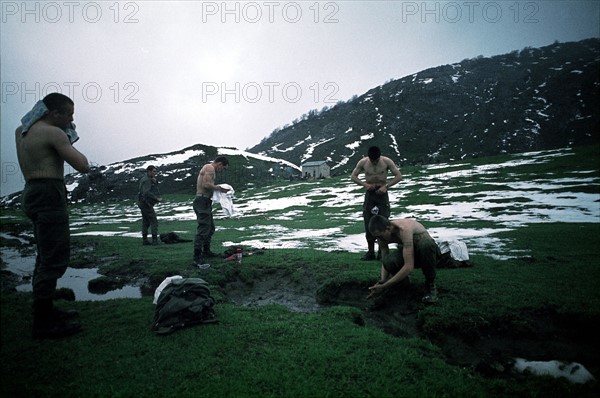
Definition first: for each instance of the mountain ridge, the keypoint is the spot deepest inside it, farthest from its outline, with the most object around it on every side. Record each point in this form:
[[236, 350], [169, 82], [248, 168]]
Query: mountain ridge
[[532, 99], [527, 100]]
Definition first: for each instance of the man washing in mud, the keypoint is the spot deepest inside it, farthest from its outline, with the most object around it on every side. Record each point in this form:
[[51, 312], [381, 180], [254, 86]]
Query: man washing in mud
[[377, 201], [205, 186], [44, 143], [416, 249]]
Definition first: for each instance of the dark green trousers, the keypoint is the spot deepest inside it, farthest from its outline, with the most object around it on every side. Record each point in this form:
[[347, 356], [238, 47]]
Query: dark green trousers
[[149, 219], [372, 199], [206, 225], [44, 201], [427, 255]]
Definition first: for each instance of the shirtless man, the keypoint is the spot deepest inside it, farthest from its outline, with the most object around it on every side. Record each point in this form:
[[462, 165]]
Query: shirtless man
[[205, 185], [376, 168], [42, 151], [416, 249]]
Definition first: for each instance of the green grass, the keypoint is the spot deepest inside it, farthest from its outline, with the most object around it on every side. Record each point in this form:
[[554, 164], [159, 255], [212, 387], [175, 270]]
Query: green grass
[[269, 351]]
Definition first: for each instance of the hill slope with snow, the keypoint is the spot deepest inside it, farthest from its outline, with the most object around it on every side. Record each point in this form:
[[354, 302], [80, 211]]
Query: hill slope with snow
[[533, 99]]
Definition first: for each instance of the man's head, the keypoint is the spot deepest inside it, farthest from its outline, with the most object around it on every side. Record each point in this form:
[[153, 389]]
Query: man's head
[[220, 163], [374, 154], [151, 171], [378, 226], [60, 109]]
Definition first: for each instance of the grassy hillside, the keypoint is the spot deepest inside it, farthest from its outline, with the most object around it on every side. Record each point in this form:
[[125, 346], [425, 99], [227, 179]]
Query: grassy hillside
[[294, 321]]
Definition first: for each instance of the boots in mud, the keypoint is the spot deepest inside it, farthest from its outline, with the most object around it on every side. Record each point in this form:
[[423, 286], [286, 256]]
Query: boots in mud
[[52, 323]]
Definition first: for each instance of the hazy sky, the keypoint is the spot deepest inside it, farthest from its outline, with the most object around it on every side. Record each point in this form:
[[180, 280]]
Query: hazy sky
[[157, 76]]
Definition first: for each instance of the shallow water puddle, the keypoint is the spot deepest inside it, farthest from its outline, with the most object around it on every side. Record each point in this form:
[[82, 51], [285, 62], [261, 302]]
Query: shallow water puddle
[[75, 279]]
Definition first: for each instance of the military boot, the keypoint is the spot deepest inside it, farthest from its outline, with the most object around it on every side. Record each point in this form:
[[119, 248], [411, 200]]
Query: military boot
[[51, 323], [430, 296]]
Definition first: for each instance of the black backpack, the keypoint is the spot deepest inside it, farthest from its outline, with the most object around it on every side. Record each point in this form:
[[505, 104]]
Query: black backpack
[[182, 303]]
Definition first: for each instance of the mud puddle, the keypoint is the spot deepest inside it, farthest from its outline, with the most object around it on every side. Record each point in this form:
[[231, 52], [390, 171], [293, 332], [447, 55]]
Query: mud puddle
[[273, 288], [492, 352]]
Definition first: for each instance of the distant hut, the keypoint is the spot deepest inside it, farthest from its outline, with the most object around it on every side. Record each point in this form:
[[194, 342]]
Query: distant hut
[[317, 169]]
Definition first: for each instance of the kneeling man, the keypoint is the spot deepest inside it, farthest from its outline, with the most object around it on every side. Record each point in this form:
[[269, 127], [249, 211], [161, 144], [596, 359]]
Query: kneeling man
[[416, 249]]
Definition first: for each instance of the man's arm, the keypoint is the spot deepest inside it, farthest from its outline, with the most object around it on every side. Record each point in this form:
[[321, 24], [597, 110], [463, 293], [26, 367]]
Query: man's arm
[[383, 247], [207, 175], [67, 152], [408, 254], [357, 170], [384, 251], [384, 275], [395, 171], [146, 190], [145, 186]]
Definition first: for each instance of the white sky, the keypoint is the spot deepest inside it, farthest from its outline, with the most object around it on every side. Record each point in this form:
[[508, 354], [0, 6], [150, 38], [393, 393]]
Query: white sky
[[152, 77]]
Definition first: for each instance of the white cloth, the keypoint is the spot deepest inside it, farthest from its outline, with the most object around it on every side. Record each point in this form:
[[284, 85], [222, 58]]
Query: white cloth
[[38, 111], [162, 285], [574, 372], [458, 250], [225, 199]]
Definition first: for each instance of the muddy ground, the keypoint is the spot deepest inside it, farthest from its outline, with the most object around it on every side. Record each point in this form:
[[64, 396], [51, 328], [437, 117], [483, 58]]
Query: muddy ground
[[490, 352]]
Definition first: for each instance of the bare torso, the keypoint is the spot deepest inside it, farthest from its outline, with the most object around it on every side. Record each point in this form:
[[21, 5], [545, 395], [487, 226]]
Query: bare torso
[[43, 150], [376, 174], [36, 153], [404, 230], [206, 180]]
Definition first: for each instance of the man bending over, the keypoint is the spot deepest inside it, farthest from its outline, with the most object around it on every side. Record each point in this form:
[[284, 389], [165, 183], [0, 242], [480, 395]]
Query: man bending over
[[416, 249]]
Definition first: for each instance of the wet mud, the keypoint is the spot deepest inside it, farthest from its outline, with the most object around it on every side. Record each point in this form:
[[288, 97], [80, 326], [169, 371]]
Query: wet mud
[[490, 351]]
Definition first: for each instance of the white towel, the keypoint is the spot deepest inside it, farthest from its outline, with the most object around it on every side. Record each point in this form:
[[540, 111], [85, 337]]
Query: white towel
[[164, 284], [225, 199], [38, 111], [458, 250]]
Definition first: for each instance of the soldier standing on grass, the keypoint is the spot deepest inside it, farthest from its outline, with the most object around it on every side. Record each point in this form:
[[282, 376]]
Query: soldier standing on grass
[[205, 186], [148, 196], [44, 143], [377, 201]]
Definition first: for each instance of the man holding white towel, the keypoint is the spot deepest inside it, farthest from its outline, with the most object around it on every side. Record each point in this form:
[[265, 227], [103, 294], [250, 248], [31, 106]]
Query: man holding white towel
[[43, 145], [205, 186]]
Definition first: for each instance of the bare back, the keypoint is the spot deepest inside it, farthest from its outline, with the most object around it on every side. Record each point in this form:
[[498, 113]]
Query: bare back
[[206, 180], [404, 230]]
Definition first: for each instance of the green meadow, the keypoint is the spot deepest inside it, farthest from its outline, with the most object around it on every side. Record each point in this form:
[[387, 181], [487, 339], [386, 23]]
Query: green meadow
[[532, 226]]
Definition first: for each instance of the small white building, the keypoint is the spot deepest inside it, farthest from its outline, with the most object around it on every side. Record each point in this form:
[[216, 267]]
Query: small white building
[[317, 169]]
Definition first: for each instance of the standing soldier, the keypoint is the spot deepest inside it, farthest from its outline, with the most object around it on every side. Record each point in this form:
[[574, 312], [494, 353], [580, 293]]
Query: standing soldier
[[44, 143], [377, 201], [205, 186], [148, 196]]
